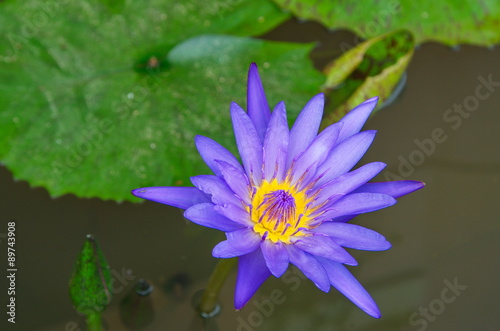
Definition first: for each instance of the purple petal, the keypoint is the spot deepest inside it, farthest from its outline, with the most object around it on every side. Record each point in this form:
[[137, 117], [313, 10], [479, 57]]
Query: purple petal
[[257, 106], [345, 184], [235, 213], [355, 119], [276, 144], [249, 143], [306, 127], [236, 180], [211, 150], [394, 189], [358, 203], [239, 242], [325, 247], [276, 257], [204, 214], [217, 188], [345, 155], [349, 286], [353, 236], [180, 197], [309, 266], [316, 152], [252, 272], [343, 219]]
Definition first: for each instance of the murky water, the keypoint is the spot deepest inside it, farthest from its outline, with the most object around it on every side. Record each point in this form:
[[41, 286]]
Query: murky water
[[441, 273]]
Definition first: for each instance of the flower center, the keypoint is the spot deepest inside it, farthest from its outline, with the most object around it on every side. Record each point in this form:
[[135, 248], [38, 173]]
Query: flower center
[[279, 211]]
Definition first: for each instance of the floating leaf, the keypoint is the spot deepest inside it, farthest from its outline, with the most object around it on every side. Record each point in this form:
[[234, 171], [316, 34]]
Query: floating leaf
[[450, 22], [373, 68], [89, 288], [96, 103]]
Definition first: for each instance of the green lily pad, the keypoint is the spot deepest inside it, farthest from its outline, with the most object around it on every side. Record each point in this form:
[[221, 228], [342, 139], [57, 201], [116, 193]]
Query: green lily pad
[[96, 103], [373, 68], [450, 22]]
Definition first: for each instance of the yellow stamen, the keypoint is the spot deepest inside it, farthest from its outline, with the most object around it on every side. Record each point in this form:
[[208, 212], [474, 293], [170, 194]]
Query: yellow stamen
[[280, 211]]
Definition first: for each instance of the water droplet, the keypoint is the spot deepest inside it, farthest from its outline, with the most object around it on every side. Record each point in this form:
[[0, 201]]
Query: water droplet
[[425, 14], [261, 19], [130, 95], [59, 141], [152, 145]]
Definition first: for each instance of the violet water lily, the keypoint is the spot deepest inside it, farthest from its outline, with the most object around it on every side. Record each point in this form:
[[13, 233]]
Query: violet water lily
[[290, 198]]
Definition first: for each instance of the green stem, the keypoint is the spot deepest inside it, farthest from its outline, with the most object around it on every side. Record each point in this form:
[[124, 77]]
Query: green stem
[[94, 322], [208, 301]]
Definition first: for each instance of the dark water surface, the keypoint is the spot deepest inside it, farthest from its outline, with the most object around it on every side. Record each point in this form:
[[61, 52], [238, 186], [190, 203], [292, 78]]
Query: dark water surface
[[441, 274]]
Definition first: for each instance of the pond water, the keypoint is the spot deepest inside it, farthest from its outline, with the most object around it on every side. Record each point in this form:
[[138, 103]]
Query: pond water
[[441, 273]]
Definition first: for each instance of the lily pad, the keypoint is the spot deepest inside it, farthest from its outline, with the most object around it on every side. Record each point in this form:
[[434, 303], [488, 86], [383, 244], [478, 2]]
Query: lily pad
[[450, 22], [373, 68], [100, 99]]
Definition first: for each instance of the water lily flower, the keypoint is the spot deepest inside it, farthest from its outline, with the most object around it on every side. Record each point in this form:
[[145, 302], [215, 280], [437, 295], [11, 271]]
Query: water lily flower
[[290, 198]]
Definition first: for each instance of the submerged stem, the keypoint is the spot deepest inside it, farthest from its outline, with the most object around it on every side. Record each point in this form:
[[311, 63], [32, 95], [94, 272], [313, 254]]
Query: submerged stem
[[94, 322], [208, 302]]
